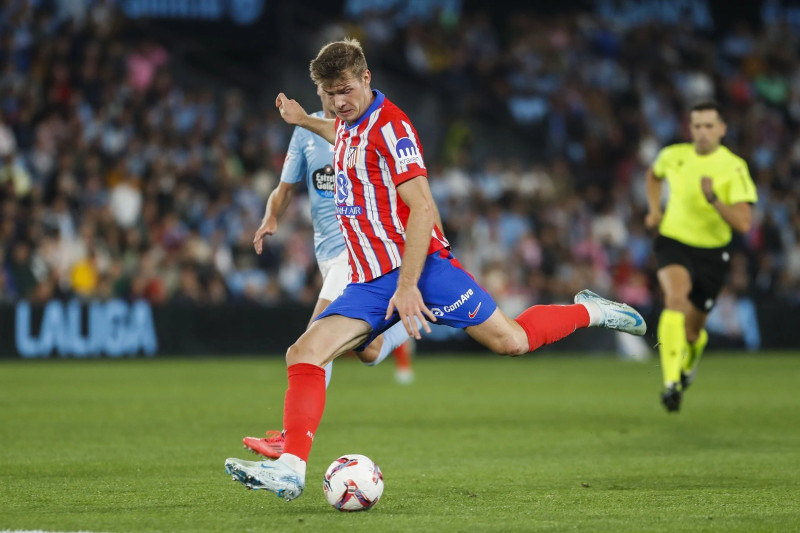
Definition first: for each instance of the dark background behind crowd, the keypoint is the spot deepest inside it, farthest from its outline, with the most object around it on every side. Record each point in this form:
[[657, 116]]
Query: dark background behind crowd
[[136, 156]]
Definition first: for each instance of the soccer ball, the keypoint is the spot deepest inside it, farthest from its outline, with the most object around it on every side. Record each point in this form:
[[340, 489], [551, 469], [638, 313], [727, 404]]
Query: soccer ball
[[353, 483]]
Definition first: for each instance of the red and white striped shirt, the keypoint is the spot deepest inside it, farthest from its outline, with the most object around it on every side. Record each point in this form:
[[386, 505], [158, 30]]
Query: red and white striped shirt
[[371, 158]]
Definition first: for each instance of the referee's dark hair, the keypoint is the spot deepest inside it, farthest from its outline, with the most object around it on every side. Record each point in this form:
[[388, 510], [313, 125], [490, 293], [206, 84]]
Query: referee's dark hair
[[708, 105]]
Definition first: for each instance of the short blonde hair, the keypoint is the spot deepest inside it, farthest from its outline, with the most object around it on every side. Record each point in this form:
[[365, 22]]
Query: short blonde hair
[[338, 59]]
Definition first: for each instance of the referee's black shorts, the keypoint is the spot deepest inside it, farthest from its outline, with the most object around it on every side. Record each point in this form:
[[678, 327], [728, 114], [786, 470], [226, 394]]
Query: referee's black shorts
[[708, 268]]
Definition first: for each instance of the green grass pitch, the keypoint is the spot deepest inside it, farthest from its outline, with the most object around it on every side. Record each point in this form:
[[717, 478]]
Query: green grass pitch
[[479, 443]]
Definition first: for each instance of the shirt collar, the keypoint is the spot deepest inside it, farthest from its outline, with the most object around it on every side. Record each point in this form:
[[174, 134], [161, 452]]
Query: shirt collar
[[376, 103]]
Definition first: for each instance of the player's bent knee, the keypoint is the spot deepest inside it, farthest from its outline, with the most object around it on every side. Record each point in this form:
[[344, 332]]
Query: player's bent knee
[[297, 354], [518, 349], [510, 346], [306, 351], [291, 355]]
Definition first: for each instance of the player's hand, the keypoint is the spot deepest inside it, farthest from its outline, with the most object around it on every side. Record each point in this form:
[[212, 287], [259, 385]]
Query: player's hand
[[290, 110], [652, 219], [268, 227], [708, 189], [410, 305]]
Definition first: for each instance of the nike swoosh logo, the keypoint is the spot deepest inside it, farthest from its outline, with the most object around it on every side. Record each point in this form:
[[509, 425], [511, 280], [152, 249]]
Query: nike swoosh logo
[[475, 312], [634, 316]]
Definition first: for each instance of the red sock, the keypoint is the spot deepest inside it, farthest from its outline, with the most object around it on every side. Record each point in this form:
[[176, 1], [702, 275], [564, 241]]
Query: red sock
[[303, 407], [402, 356], [546, 324]]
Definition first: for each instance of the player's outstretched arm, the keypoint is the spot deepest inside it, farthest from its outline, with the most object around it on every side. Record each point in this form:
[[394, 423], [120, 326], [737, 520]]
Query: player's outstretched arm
[[276, 206], [407, 299], [294, 114]]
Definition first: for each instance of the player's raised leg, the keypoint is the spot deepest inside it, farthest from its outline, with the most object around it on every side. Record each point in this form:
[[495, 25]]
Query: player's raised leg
[[458, 301], [303, 406], [545, 324]]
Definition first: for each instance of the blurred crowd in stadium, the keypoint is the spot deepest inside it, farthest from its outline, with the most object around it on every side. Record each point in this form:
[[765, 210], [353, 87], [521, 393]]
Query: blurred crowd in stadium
[[117, 180]]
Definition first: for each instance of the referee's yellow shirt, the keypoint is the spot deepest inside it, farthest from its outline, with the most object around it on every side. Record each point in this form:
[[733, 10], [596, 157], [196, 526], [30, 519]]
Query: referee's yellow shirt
[[689, 218]]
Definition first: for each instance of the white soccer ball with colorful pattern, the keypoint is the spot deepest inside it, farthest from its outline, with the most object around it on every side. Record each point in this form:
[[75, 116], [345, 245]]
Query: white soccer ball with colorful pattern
[[353, 483]]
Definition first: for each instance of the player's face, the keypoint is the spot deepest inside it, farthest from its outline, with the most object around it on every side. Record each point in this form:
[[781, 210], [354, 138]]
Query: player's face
[[350, 96], [707, 130]]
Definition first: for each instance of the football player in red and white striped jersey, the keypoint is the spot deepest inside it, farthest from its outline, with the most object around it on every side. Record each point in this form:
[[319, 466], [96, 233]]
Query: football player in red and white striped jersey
[[400, 263]]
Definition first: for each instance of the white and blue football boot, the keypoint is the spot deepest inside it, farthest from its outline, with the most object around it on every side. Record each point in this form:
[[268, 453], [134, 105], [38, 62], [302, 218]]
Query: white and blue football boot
[[618, 316], [275, 476]]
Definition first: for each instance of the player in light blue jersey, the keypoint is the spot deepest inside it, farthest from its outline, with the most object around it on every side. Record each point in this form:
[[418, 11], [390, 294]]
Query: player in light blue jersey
[[310, 159]]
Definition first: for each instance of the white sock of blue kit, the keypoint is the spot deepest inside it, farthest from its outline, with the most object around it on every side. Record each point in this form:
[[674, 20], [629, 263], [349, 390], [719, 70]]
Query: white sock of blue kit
[[328, 373], [392, 338]]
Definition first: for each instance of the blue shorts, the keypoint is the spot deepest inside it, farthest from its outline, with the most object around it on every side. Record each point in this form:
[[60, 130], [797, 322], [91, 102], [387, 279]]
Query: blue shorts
[[447, 289]]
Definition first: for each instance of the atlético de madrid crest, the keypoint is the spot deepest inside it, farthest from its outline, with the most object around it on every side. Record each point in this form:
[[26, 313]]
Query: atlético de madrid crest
[[351, 156]]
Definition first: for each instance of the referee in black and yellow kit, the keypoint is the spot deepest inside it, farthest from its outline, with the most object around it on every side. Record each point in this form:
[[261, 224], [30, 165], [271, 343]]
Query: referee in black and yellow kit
[[710, 194]]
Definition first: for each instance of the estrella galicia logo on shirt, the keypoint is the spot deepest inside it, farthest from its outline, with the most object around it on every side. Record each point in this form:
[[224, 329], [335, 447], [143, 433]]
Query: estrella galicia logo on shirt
[[407, 152], [324, 181], [343, 195]]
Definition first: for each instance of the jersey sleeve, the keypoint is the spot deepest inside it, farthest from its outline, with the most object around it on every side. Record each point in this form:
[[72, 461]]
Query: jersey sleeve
[[742, 188], [399, 144], [294, 166], [663, 162]]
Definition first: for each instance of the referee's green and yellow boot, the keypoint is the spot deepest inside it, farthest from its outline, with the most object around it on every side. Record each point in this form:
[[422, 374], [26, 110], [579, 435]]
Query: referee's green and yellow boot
[[672, 348], [690, 362]]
